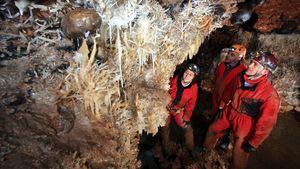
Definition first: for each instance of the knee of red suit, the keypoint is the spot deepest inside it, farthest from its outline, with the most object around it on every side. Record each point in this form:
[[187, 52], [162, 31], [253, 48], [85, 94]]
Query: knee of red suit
[[241, 125]]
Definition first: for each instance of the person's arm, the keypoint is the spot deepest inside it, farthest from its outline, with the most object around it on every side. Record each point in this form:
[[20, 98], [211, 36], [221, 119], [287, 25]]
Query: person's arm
[[265, 122], [171, 91]]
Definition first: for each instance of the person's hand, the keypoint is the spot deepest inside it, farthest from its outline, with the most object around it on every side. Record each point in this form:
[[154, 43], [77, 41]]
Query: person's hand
[[169, 107], [185, 123], [248, 148]]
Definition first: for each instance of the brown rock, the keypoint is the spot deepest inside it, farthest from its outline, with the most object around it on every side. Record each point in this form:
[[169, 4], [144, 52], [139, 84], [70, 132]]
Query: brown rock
[[13, 98], [287, 108], [79, 21], [169, 2], [9, 27], [297, 108], [277, 14], [27, 31], [42, 15]]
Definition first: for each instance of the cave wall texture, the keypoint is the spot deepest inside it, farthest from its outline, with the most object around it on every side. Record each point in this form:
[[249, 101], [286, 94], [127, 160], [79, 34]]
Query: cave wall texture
[[84, 107], [278, 16]]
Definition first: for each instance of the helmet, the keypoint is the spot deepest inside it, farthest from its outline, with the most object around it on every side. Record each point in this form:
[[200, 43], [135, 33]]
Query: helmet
[[267, 60], [240, 49], [193, 67]]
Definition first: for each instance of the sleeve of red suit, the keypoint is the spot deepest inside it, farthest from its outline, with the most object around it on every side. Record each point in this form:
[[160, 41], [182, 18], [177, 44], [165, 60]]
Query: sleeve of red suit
[[172, 83], [266, 120], [190, 105]]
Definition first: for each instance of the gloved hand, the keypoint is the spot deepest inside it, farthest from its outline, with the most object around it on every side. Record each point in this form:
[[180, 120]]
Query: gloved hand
[[218, 114], [170, 108], [248, 148], [186, 123]]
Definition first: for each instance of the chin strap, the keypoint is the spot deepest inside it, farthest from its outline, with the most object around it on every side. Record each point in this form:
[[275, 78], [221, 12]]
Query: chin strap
[[255, 76]]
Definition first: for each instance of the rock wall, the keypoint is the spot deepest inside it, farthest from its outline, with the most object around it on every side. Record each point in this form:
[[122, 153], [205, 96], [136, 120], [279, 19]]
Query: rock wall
[[65, 107], [286, 79], [87, 111], [281, 16]]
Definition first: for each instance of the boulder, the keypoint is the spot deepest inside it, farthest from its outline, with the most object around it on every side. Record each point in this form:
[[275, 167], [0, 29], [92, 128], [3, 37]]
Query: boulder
[[80, 21]]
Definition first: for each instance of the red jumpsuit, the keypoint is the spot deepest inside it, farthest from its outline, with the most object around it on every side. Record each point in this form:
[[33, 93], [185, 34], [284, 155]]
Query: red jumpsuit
[[182, 111], [251, 114], [186, 104], [223, 78]]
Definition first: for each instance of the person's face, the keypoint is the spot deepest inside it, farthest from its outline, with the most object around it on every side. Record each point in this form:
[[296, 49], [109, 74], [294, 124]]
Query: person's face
[[255, 68], [188, 76], [232, 56]]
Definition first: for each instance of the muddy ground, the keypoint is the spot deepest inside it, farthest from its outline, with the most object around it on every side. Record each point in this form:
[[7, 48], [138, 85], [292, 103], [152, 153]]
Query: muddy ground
[[281, 150]]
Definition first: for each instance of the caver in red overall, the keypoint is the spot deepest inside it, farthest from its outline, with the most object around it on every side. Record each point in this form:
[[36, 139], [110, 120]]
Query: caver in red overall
[[251, 115], [224, 75], [182, 111], [185, 105]]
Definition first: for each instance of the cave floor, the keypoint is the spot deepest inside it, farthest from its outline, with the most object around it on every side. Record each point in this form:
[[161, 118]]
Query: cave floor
[[282, 149]]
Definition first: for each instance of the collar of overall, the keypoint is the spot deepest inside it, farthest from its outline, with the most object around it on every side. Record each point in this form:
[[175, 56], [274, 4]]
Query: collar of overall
[[252, 83]]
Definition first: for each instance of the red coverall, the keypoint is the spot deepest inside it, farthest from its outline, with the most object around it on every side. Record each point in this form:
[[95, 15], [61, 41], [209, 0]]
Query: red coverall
[[222, 80], [251, 114], [181, 112], [186, 104]]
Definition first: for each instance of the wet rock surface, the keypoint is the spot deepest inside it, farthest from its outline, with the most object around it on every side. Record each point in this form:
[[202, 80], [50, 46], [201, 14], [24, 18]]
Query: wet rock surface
[[78, 22]]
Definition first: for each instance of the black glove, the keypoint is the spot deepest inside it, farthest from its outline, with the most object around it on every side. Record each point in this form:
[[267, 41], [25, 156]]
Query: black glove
[[248, 148], [218, 114]]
